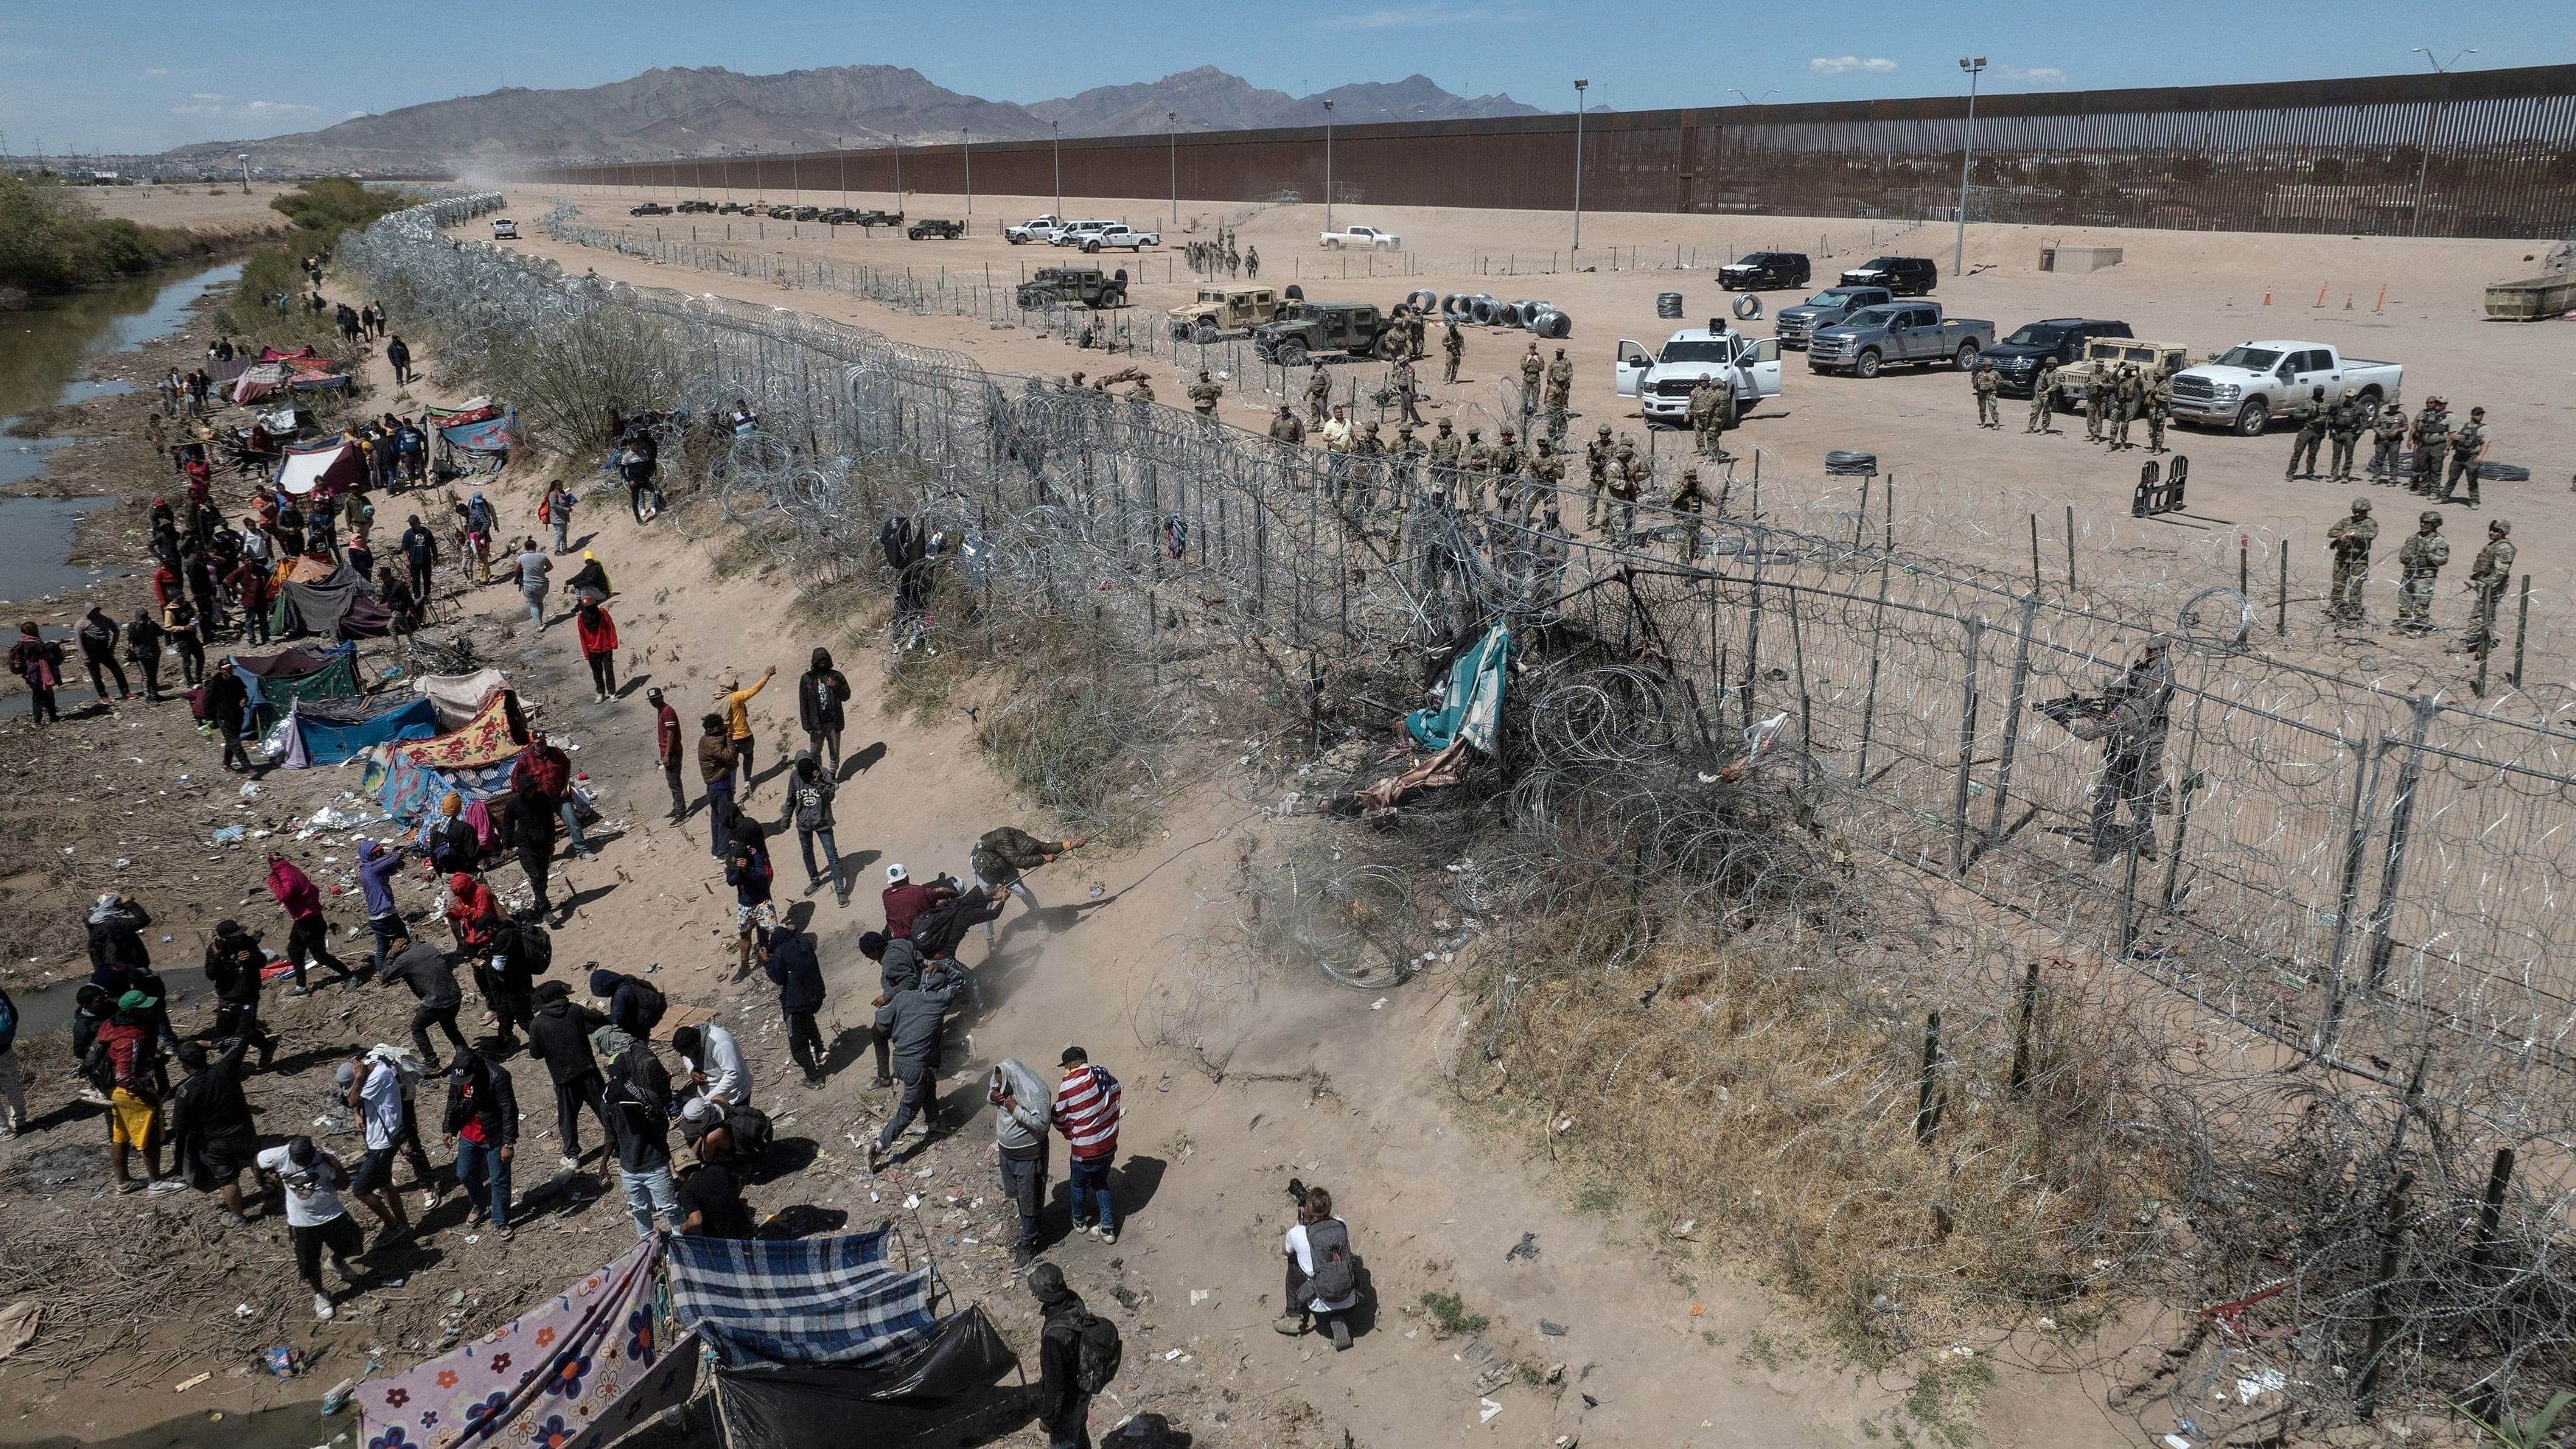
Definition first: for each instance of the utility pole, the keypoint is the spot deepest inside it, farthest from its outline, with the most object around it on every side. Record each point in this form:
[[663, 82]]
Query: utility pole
[[1974, 65], [966, 148], [841, 149], [245, 165], [2432, 115], [1171, 135], [1580, 86], [1328, 165], [1057, 128]]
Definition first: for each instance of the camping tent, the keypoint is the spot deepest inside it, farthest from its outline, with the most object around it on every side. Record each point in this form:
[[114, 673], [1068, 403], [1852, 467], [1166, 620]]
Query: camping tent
[[331, 734], [333, 466]]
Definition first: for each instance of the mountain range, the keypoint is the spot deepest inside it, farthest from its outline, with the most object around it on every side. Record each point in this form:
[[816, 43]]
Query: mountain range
[[710, 111]]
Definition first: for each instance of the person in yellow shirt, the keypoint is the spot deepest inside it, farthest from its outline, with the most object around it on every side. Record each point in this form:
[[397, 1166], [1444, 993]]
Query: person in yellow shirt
[[737, 712]]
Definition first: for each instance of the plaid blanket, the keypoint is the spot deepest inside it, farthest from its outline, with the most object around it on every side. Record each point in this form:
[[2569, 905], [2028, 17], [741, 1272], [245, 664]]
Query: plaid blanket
[[576, 1370], [807, 1300]]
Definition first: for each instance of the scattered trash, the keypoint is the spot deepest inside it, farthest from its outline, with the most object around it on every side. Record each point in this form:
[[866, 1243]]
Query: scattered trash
[[911, 1201], [1527, 1247], [1684, 1230], [1378, 1004], [2176, 1441], [1699, 1310], [1199, 1295], [1169, 1357], [229, 835], [283, 1361], [250, 790], [245, 1311], [1486, 1409], [1552, 1330], [2261, 1382], [183, 1385]]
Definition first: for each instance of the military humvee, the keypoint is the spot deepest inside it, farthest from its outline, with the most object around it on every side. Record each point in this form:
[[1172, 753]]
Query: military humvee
[[2154, 360], [1304, 328], [1222, 310], [1058, 286]]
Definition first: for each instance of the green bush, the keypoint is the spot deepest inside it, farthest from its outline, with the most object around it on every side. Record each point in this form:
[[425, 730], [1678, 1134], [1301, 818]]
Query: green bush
[[51, 240]]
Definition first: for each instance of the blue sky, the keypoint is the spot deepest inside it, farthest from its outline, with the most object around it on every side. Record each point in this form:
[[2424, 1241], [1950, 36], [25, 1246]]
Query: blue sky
[[132, 75]]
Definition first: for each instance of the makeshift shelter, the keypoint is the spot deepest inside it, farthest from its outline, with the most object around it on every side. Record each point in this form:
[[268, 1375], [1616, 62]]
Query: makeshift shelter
[[333, 467], [331, 734], [496, 734], [1473, 704], [342, 606], [576, 1371], [276, 681], [410, 791], [459, 697], [821, 1340]]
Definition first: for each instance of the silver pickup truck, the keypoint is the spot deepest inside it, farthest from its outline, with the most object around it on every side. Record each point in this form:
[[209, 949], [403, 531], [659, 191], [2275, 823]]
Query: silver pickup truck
[[1898, 332], [1794, 324]]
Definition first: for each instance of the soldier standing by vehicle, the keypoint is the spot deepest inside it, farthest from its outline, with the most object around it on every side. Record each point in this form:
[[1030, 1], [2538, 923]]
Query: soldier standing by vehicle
[[1251, 263], [1532, 368], [2387, 440], [2159, 407], [2097, 401], [1686, 505], [1399, 380], [1446, 449], [1204, 395], [1983, 382], [1319, 391], [1707, 411], [1560, 395], [2043, 399], [2489, 576], [2351, 414], [2418, 562], [2130, 721], [2468, 450], [1596, 463], [2349, 539], [2311, 413], [2126, 396], [1453, 346], [2432, 438]]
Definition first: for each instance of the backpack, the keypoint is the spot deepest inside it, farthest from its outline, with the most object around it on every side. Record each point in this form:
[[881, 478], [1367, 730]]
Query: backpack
[[1096, 1351], [655, 1003], [750, 1128], [8, 1022], [533, 947], [1336, 1272]]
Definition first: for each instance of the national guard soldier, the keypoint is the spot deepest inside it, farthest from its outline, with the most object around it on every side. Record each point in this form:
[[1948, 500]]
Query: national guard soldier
[[1233, 261], [1532, 368], [1370, 449], [1251, 263], [2432, 439], [1204, 395], [2311, 413], [1547, 476], [2159, 404], [1284, 427], [1707, 411], [1414, 322], [1140, 390], [2043, 399], [2130, 719], [1627, 480], [2343, 429], [1319, 391], [2468, 450], [2489, 576], [1453, 346], [2349, 539], [1560, 395], [2097, 402], [1983, 381], [2127, 395], [2387, 440], [1399, 380], [1476, 462], [1597, 464], [2425, 552], [1509, 464], [1686, 505], [1446, 451]]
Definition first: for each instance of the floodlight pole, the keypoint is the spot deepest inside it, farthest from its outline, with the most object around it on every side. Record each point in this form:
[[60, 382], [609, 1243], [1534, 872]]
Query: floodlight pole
[[840, 148], [1172, 137], [1580, 86], [966, 148], [1974, 65], [1328, 165], [1057, 128], [2432, 114]]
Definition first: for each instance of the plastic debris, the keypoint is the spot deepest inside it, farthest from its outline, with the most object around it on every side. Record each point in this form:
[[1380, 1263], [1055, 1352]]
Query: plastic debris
[[1486, 1409], [1527, 1247], [229, 835], [1552, 1330], [183, 1385]]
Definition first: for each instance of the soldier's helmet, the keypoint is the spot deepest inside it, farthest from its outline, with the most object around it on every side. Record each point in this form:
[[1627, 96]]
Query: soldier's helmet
[[1560, 352], [1605, 430], [1372, 429], [1545, 446], [2429, 516], [2434, 400], [1444, 425], [2360, 505], [2499, 527], [1690, 475], [1203, 374], [1077, 379], [2394, 411], [1475, 435], [1283, 411], [1507, 432], [1404, 430], [2318, 391]]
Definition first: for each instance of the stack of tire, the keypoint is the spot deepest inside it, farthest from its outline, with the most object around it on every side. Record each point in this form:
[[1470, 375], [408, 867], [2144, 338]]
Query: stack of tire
[[1482, 310]]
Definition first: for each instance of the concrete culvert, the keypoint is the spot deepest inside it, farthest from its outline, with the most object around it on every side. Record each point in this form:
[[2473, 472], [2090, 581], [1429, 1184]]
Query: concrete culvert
[[1668, 304], [1748, 307]]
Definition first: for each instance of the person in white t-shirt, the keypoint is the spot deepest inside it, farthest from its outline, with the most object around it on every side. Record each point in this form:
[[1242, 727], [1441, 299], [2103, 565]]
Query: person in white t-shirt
[[1323, 1272], [373, 1089], [315, 1221]]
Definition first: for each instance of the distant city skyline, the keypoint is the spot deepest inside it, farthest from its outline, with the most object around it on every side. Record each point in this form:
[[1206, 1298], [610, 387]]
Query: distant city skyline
[[149, 75]]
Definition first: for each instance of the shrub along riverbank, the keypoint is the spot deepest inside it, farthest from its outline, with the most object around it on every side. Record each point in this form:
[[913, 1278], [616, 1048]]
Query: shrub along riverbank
[[52, 240], [320, 212]]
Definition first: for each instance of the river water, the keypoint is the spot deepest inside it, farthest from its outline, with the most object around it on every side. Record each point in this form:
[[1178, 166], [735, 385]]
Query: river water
[[45, 354]]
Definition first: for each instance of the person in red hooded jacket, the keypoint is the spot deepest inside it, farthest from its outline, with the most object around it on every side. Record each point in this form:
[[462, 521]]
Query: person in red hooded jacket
[[598, 645], [307, 934]]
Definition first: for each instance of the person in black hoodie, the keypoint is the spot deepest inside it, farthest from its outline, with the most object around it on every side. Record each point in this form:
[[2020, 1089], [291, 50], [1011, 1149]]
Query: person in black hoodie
[[820, 693], [233, 963], [514, 983], [426, 970], [1064, 1410], [560, 1037], [637, 1089], [227, 700], [527, 824], [116, 925], [482, 1124], [98, 635], [788, 957], [210, 1123]]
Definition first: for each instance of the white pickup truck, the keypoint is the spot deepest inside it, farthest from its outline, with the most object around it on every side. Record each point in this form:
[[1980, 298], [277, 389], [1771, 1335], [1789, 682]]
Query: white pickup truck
[[1662, 383], [1117, 234], [1036, 228], [2250, 384], [1362, 236]]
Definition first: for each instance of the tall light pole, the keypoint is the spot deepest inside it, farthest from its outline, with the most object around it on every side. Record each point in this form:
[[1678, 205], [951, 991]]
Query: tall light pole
[[1580, 86], [898, 173], [759, 182], [245, 165], [1328, 165], [966, 148], [1974, 65], [1057, 129], [841, 150], [1753, 100], [2432, 113], [1172, 136]]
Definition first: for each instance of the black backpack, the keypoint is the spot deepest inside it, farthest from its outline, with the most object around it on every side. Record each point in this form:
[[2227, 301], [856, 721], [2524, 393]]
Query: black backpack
[[655, 1003], [750, 1128], [1336, 1272], [1096, 1351], [534, 948]]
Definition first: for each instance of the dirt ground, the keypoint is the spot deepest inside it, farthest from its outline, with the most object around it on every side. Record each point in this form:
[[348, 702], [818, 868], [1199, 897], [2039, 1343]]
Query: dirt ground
[[224, 208], [1661, 1346], [1961, 492]]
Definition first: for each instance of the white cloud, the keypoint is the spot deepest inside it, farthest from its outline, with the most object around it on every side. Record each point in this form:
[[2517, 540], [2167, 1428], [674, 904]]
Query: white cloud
[[1417, 17], [353, 115], [204, 96], [206, 105], [1839, 64], [156, 70], [2032, 75]]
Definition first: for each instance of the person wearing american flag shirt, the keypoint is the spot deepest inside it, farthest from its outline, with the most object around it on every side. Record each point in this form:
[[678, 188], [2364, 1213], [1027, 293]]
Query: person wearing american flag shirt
[[1086, 1111]]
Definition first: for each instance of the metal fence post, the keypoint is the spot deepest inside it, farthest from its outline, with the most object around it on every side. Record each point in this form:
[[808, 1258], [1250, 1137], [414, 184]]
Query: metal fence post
[[2347, 891], [1976, 632], [2012, 712], [2401, 819]]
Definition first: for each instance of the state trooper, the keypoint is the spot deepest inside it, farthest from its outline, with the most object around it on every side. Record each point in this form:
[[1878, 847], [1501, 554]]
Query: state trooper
[[2468, 450], [1284, 427], [1319, 392], [2387, 442]]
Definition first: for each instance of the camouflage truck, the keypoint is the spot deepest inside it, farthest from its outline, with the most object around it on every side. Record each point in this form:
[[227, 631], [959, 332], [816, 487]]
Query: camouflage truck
[[2154, 360], [1223, 310], [1305, 329], [1062, 286]]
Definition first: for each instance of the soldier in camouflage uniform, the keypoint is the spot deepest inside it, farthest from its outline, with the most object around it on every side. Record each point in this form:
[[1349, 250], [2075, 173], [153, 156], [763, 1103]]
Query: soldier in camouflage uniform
[[2387, 440], [1627, 481], [1509, 464], [2311, 413], [2159, 405], [2490, 575], [1531, 370], [2418, 562], [1404, 479], [2097, 402], [1984, 381], [1205, 394], [2468, 450], [2343, 430], [1475, 466], [1319, 393], [2432, 439], [2127, 394], [1707, 413], [1414, 323], [2349, 540], [1453, 347], [2130, 719], [1251, 264], [1400, 381], [1560, 395], [1686, 504], [1370, 450], [1446, 451], [1598, 461], [1547, 477], [2043, 399]]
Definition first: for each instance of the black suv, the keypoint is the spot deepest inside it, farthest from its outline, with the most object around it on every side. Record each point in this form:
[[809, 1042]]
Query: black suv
[[1759, 271], [1905, 276], [2061, 340]]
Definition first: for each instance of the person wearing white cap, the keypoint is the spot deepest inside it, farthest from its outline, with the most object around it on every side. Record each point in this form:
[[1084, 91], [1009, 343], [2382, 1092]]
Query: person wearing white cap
[[905, 899]]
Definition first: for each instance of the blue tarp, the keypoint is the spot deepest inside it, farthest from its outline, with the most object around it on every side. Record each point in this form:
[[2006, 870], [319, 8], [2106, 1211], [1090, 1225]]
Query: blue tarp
[[328, 737], [1474, 702], [492, 435]]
